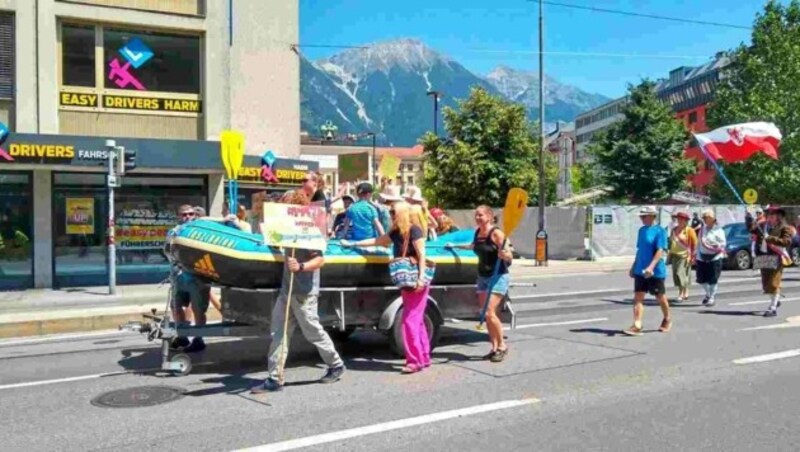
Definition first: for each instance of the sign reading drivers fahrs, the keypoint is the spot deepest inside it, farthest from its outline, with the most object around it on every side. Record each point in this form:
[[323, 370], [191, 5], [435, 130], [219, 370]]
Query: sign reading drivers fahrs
[[115, 102]]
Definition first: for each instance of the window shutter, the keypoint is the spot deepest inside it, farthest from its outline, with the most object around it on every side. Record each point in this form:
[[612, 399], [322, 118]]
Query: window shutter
[[7, 56]]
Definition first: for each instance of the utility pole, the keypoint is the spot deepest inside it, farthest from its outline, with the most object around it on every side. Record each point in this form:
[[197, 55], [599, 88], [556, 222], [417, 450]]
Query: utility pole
[[435, 95], [111, 147], [541, 235], [374, 162]]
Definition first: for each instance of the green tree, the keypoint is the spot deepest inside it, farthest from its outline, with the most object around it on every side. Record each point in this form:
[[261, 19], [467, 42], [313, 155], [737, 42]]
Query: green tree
[[761, 84], [491, 148], [642, 157]]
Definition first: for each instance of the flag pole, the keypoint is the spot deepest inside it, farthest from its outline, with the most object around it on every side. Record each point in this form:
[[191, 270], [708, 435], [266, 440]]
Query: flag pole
[[719, 170]]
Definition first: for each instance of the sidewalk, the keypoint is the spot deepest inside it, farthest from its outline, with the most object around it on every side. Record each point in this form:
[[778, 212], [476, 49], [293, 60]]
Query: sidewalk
[[45, 311]]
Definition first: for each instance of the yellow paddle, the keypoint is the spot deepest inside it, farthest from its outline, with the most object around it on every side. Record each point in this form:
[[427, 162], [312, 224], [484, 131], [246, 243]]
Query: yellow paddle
[[232, 153], [513, 213]]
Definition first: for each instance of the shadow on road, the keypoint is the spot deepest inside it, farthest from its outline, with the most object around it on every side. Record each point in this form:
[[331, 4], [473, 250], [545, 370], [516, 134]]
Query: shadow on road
[[733, 313]]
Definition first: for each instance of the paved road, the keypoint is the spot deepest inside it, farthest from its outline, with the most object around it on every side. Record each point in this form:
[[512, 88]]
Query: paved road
[[571, 382]]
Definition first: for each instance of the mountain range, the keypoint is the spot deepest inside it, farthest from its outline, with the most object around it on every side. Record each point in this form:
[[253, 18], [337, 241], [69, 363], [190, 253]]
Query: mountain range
[[382, 88]]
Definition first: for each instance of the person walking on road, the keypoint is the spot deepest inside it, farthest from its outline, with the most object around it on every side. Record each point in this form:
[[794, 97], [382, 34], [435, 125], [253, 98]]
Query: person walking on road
[[710, 256], [408, 241], [683, 244], [649, 271], [491, 246], [304, 312], [773, 238]]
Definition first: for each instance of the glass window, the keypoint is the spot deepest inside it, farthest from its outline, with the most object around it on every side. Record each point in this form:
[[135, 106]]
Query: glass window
[[166, 63], [77, 55], [16, 231], [693, 118]]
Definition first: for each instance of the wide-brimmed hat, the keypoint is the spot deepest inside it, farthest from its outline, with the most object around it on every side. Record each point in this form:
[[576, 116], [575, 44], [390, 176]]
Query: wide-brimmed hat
[[776, 210], [413, 194], [391, 193], [647, 211], [683, 215], [709, 213]]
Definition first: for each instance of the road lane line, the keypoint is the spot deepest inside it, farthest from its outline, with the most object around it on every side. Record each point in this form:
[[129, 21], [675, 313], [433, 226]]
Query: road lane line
[[566, 294], [746, 303], [569, 322], [60, 380], [768, 357], [326, 438], [62, 338], [791, 322]]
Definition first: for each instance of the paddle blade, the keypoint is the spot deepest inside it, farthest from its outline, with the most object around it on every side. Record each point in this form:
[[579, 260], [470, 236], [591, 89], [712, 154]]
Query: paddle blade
[[236, 157], [514, 210], [226, 142]]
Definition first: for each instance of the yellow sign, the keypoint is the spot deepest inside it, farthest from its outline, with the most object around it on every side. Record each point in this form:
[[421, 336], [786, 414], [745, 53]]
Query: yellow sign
[[68, 99], [291, 226], [80, 215], [55, 151], [151, 103], [390, 166], [750, 196]]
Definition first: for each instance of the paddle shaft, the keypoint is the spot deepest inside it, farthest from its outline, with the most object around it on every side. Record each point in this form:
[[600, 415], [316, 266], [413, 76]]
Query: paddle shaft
[[285, 343]]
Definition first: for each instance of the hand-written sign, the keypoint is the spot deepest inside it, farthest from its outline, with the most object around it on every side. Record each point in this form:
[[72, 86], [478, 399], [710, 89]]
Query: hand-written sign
[[390, 166], [353, 167], [292, 226]]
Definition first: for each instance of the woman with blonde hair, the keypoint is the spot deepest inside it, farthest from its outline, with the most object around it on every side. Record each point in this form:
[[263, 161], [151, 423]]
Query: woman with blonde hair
[[408, 241]]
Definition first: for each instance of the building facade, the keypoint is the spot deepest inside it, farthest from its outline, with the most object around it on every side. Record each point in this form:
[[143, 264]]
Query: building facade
[[688, 90], [162, 77]]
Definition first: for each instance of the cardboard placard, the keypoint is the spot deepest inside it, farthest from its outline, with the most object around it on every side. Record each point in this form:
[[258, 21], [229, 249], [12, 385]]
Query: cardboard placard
[[292, 226], [353, 167], [390, 166]]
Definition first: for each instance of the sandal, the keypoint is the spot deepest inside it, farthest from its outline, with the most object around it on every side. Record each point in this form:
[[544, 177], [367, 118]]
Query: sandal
[[410, 369], [489, 355], [499, 356], [666, 325], [633, 331]]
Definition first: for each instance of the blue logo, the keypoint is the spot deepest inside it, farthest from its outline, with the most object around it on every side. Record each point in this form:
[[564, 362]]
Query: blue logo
[[3, 132], [268, 158], [136, 52]]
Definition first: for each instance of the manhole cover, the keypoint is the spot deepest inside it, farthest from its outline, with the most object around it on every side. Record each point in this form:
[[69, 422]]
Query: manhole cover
[[138, 397]]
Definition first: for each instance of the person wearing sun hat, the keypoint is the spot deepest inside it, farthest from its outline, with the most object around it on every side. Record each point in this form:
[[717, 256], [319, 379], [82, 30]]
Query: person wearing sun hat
[[683, 242], [773, 238], [419, 209], [710, 256], [649, 271]]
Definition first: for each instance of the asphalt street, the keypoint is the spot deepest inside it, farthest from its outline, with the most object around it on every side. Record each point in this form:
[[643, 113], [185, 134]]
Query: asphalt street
[[725, 378]]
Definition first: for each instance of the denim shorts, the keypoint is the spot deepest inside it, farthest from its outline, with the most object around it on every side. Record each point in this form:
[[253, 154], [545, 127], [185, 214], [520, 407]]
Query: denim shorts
[[500, 286]]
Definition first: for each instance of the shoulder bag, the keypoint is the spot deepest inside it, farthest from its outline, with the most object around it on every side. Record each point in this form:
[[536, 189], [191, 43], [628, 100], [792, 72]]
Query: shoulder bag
[[404, 271]]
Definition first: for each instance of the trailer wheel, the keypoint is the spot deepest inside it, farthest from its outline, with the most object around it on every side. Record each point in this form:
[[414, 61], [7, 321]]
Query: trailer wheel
[[396, 333], [341, 336], [181, 364]]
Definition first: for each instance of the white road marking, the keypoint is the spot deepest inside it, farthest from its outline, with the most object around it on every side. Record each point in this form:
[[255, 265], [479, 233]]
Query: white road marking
[[746, 303], [768, 357], [569, 322], [61, 338], [791, 322], [565, 294], [326, 438], [60, 380]]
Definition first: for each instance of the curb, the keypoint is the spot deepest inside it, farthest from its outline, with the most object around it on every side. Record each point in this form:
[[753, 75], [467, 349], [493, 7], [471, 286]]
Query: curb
[[80, 324]]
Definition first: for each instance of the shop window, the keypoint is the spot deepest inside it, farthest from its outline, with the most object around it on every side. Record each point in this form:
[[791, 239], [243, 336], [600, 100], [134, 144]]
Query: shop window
[[7, 54], [16, 231], [77, 55], [144, 61], [692, 118]]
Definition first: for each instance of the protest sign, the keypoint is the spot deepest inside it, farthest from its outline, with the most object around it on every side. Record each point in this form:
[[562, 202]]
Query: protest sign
[[293, 226], [390, 166], [353, 167]]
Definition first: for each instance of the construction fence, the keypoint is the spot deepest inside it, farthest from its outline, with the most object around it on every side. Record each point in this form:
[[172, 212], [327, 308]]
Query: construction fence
[[596, 231]]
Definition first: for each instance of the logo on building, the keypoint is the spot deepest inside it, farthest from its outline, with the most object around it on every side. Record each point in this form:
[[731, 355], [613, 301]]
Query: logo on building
[[136, 53], [268, 168], [205, 267], [3, 135]]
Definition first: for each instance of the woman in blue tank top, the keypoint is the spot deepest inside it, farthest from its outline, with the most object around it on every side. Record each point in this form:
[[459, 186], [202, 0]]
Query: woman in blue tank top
[[494, 258]]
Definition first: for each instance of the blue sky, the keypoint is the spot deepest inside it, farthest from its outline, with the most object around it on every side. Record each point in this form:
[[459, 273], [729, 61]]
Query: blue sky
[[482, 34]]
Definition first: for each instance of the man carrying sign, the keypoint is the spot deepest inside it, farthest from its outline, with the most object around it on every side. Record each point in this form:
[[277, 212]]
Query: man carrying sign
[[304, 269]]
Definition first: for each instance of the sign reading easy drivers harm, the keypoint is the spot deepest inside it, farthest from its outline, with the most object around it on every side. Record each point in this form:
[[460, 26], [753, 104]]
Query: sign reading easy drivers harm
[[140, 103], [291, 226], [286, 171]]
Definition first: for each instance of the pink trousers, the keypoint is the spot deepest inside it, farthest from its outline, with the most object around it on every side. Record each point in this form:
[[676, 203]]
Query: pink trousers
[[415, 335]]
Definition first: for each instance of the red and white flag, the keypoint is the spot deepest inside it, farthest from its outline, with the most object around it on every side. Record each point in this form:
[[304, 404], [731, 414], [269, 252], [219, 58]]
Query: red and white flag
[[740, 141]]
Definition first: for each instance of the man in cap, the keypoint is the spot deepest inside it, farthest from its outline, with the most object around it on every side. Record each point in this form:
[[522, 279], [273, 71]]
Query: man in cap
[[773, 238], [649, 271], [362, 220]]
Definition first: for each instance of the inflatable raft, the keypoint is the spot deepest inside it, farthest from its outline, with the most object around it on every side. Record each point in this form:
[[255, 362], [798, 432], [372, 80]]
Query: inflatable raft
[[230, 257]]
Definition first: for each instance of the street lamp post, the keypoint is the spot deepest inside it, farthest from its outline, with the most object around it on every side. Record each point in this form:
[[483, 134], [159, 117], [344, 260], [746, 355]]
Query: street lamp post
[[374, 162], [435, 95], [541, 235]]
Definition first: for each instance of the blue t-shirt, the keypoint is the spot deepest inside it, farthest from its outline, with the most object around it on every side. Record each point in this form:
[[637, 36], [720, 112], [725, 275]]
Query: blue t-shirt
[[362, 216], [651, 239]]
